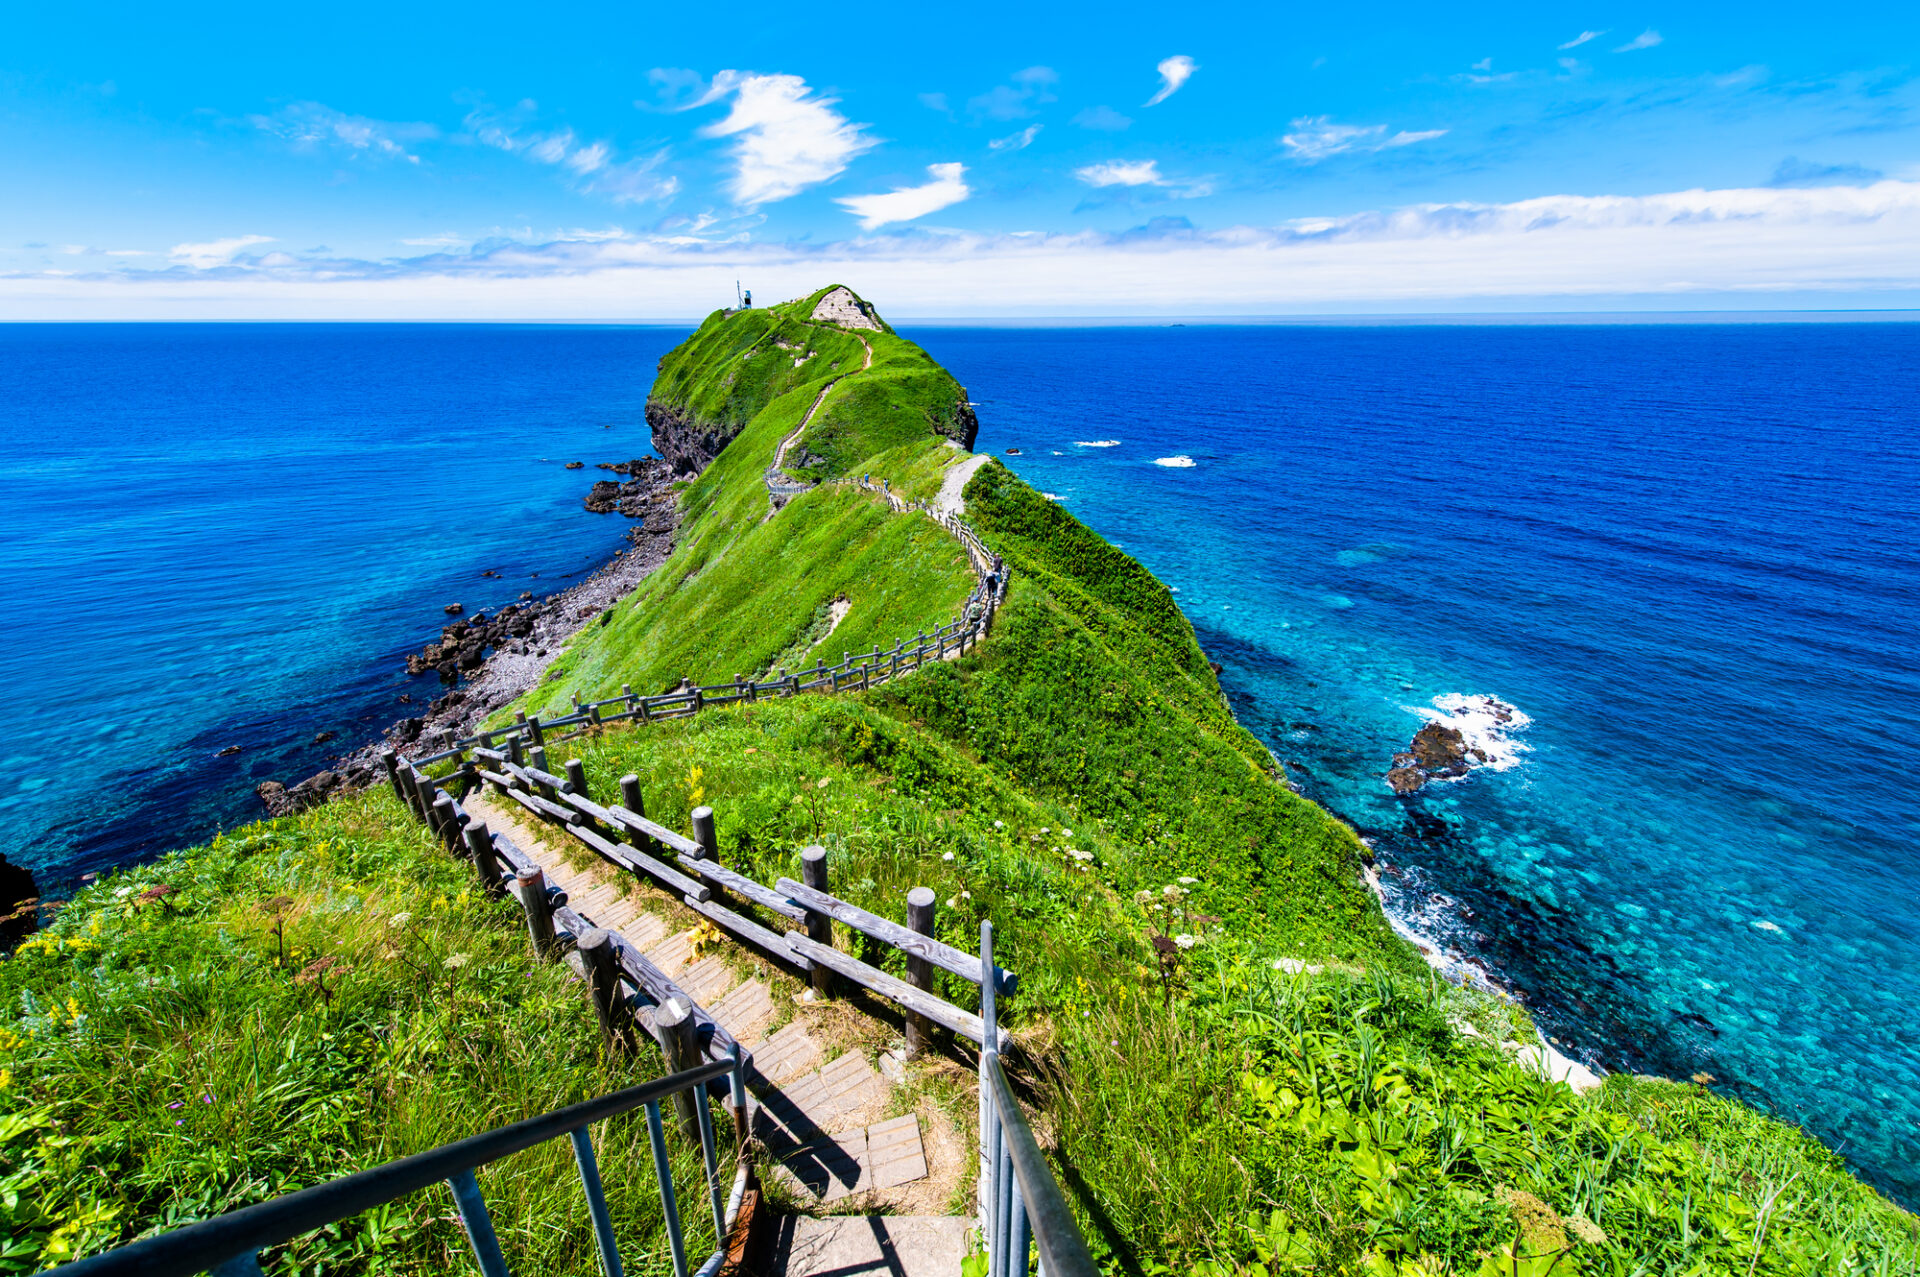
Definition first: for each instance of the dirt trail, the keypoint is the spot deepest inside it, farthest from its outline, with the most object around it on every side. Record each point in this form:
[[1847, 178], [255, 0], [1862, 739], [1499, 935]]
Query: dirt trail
[[780, 489]]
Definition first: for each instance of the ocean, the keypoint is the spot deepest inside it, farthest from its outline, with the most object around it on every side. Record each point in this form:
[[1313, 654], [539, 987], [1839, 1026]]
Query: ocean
[[230, 535], [1687, 555]]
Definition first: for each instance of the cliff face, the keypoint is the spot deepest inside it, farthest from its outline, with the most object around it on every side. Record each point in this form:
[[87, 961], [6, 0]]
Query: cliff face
[[687, 443]]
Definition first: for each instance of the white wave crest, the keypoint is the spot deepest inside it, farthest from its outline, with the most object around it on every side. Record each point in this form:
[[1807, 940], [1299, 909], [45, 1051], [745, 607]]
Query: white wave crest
[[1181, 462], [1486, 722], [1097, 443]]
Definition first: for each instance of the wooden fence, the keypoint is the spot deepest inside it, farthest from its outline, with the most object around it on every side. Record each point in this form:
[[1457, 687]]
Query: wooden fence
[[857, 671]]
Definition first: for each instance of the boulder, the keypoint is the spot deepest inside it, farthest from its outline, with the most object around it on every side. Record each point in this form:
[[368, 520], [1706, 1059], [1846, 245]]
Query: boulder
[[454, 609], [1441, 749], [19, 904], [576, 465], [1406, 780]]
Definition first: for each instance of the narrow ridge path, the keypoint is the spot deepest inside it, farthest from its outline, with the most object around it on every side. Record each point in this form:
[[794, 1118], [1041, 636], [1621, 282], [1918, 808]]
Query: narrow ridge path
[[780, 489]]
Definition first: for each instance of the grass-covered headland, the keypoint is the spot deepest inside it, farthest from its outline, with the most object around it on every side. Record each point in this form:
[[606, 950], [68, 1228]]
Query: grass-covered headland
[[1236, 1065]]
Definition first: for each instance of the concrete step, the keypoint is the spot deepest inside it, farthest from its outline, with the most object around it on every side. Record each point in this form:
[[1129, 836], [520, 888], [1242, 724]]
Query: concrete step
[[871, 1246]]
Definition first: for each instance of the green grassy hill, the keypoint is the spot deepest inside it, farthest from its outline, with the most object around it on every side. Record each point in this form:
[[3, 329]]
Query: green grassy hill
[[1236, 1065]]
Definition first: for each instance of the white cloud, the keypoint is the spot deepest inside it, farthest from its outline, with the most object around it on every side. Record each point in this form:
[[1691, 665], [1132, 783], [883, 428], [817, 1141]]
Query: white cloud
[[904, 203], [935, 102], [1581, 39], [1029, 88], [593, 164], [789, 137], [308, 125], [1645, 40], [1316, 137], [1121, 173], [1484, 64], [1016, 141], [1103, 119], [1758, 247], [1174, 72], [218, 252]]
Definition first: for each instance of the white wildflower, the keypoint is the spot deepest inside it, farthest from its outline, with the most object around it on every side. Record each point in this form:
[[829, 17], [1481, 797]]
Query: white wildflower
[[966, 895], [1188, 882], [400, 919], [946, 855], [122, 893], [1170, 891], [456, 961], [1185, 942], [999, 824]]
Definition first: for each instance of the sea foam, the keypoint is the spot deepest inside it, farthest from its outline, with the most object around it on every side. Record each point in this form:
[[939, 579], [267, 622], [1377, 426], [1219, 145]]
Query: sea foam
[[1181, 462], [1487, 723], [1097, 443]]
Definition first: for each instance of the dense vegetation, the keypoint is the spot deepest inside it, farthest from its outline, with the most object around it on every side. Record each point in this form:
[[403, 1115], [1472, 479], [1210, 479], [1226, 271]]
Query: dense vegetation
[[1239, 1069]]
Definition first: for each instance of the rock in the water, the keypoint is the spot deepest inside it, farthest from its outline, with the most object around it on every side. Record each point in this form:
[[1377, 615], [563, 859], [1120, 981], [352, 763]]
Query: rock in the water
[[1406, 780], [1440, 748], [311, 792], [454, 609], [322, 738], [228, 752], [576, 465]]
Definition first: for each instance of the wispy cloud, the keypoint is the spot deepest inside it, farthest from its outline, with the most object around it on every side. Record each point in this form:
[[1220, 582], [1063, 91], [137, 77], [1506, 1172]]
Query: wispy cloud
[[1484, 64], [1016, 99], [788, 137], [1121, 173], [1103, 119], [218, 252], [1768, 245], [1794, 171], [1016, 141], [904, 203], [1142, 173], [1645, 40], [1317, 137], [313, 125], [594, 166], [1174, 72], [1581, 39], [936, 102]]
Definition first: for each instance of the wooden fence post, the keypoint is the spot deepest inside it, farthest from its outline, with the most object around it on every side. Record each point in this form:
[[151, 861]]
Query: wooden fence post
[[516, 750], [626, 690], [813, 872], [390, 761], [538, 757], [539, 733], [603, 978], [531, 888], [919, 970], [680, 1039], [631, 799], [445, 823], [703, 833], [577, 778], [480, 847]]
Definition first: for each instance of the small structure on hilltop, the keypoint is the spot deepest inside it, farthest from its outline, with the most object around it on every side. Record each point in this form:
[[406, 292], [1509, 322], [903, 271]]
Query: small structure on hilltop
[[743, 300], [841, 307]]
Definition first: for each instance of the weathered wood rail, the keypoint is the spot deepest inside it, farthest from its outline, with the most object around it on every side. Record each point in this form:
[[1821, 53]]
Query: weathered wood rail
[[689, 869]]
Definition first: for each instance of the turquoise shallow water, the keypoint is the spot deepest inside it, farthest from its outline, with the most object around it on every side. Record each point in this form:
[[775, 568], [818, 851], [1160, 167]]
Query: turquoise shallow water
[[1689, 554]]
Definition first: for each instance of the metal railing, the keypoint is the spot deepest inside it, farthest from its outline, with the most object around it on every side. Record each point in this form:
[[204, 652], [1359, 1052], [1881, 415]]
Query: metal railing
[[230, 1244], [1021, 1206]]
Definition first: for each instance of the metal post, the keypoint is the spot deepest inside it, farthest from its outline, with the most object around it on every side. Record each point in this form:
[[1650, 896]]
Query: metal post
[[596, 1201], [813, 872], [663, 1173], [919, 971], [473, 1214]]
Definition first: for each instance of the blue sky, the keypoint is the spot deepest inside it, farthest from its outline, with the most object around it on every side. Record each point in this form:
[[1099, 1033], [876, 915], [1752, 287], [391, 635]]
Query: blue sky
[[1013, 159]]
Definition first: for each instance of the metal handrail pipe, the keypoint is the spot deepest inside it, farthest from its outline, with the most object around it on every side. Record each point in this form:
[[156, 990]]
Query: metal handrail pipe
[[210, 1243], [1063, 1252]]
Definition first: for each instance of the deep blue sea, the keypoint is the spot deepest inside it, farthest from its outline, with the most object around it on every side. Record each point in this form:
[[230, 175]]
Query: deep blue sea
[[1689, 555], [231, 534]]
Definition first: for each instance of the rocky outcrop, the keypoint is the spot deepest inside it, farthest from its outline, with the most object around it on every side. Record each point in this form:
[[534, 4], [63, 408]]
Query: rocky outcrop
[[646, 492], [19, 904], [1471, 731], [841, 307], [961, 426], [688, 443]]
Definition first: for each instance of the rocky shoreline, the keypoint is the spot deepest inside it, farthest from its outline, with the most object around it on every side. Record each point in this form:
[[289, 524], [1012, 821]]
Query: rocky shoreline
[[485, 661]]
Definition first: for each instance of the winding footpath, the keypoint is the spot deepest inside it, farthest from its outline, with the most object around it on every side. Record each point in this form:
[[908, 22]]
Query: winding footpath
[[781, 489]]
